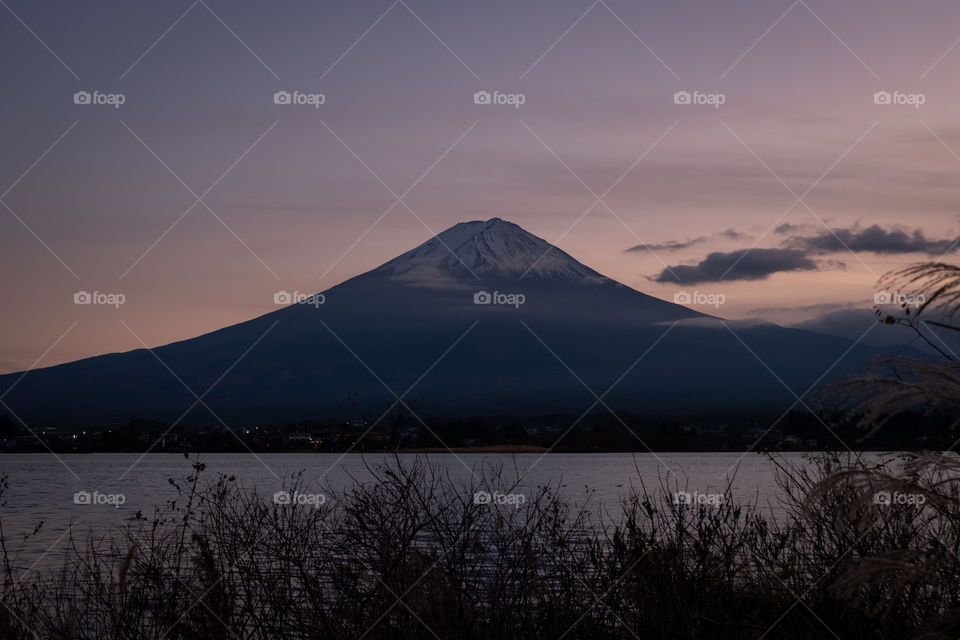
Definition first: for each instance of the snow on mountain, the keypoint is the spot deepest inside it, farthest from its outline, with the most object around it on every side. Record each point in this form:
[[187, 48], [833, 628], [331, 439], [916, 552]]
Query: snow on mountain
[[491, 248]]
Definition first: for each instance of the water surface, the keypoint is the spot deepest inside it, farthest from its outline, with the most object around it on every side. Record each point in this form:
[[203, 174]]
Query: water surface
[[42, 486]]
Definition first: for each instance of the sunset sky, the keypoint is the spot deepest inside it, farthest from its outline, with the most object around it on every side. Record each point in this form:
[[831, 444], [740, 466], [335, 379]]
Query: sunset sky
[[827, 189]]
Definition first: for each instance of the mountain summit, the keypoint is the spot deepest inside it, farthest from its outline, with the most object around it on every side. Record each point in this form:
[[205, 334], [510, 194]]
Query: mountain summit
[[485, 318], [492, 248]]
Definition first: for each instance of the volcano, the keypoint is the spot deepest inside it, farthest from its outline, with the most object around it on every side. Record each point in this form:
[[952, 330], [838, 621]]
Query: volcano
[[482, 319]]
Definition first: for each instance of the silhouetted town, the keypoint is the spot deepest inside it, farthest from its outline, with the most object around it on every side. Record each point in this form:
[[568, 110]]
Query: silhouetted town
[[599, 433]]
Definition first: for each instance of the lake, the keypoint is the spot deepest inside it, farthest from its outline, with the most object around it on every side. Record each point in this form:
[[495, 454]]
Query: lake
[[43, 487]]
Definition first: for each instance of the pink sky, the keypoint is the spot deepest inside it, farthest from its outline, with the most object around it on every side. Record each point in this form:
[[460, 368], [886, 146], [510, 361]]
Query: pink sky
[[295, 190]]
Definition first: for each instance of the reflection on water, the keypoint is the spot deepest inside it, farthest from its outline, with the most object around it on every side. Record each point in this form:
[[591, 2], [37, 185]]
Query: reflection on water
[[112, 487]]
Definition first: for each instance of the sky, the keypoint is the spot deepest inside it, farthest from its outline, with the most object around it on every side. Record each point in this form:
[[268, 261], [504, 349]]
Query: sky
[[786, 182]]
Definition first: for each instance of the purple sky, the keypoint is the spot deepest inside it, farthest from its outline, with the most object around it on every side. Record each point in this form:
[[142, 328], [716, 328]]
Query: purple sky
[[293, 190]]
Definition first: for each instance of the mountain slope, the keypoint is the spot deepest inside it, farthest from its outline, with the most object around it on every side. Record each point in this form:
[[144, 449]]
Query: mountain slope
[[483, 318]]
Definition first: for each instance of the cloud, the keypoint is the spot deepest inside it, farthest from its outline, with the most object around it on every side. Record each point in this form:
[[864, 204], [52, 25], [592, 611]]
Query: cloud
[[852, 323], [790, 315], [798, 253], [734, 235], [786, 227], [743, 264], [861, 324], [669, 245], [718, 323], [874, 239], [430, 278], [855, 321], [675, 245]]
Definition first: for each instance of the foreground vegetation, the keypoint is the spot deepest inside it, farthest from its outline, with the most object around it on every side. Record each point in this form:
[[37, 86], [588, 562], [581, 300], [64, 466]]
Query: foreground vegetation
[[412, 554]]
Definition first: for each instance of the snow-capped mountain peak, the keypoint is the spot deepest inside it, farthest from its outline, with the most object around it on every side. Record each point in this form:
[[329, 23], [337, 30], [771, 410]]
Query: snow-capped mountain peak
[[488, 248]]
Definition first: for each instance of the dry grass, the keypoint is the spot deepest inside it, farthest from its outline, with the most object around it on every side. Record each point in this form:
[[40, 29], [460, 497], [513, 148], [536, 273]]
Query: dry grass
[[409, 555]]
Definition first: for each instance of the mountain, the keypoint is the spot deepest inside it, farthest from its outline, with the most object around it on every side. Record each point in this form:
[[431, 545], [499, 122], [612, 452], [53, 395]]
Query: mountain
[[493, 249], [484, 318]]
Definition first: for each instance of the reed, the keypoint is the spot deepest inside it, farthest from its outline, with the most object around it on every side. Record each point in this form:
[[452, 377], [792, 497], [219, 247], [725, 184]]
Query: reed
[[412, 554]]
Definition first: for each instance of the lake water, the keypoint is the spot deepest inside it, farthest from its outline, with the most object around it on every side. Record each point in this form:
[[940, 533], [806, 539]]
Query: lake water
[[42, 486]]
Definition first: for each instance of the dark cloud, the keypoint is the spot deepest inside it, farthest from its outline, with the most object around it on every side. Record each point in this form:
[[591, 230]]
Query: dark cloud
[[786, 227], [675, 245], [874, 239], [732, 234], [797, 253], [670, 245], [743, 264]]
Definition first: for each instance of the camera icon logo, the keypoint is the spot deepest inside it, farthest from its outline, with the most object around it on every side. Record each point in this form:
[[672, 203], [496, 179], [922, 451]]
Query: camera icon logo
[[682, 297], [482, 97], [882, 498], [82, 297], [482, 497], [882, 297], [281, 97], [683, 497], [82, 497], [281, 497], [482, 297], [282, 297], [81, 97], [882, 97], [682, 97]]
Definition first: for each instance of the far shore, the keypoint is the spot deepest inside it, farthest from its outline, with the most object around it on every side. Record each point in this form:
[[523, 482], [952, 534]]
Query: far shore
[[504, 448], [494, 448]]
